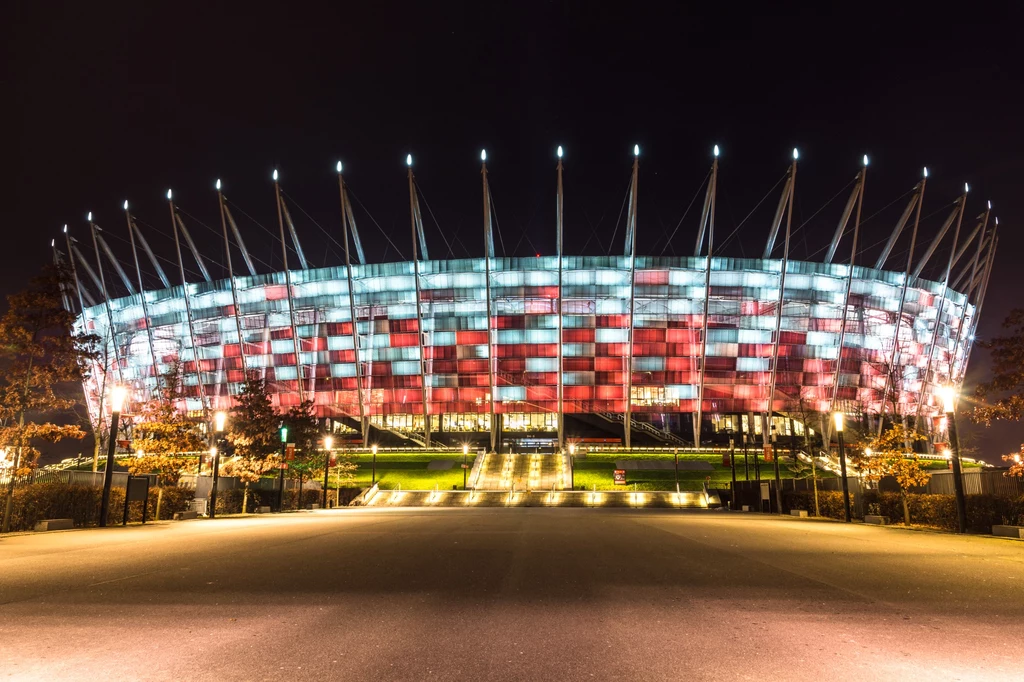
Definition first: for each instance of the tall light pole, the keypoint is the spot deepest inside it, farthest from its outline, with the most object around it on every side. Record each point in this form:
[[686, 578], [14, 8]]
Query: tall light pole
[[775, 461], [220, 418], [732, 461], [328, 444], [280, 482], [465, 455], [948, 394], [117, 396], [572, 466], [838, 417], [373, 475]]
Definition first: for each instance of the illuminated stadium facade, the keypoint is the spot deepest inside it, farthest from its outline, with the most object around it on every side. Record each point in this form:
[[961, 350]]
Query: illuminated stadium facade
[[515, 345]]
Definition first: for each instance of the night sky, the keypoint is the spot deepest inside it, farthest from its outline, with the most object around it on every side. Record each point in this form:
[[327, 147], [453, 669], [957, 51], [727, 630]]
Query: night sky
[[107, 101]]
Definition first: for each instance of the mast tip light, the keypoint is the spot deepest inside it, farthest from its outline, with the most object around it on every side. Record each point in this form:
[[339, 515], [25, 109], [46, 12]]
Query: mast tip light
[[338, 167], [990, 205], [865, 160], [217, 184], [716, 151], [926, 171], [559, 151], [483, 154], [967, 187], [796, 153], [275, 175], [636, 150], [125, 205], [408, 160], [89, 217], [66, 227], [53, 243]]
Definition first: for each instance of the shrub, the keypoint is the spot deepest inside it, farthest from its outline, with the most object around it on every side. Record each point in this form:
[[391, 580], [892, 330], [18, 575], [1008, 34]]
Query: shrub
[[81, 504], [939, 511], [830, 502]]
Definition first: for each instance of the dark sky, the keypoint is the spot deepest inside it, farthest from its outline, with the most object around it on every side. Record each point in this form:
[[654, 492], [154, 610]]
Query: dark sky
[[112, 100]]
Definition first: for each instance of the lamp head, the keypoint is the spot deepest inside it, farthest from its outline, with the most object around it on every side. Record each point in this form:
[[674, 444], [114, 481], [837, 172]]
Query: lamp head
[[89, 217], [465, 448], [170, 195], [408, 160], [796, 153], [337, 167], [559, 152], [926, 171], [373, 448], [636, 150], [948, 395], [483, 154], [865, 160], [328, 442], [125, 205], [284, 434], [117, 396], [716, 151], [220, 418], [217, 184], [838, 419]]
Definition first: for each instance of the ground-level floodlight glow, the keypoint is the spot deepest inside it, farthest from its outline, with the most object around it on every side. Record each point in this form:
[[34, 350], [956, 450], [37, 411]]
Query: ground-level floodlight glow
[[948, 395], [275, 175], [338, 167], [865, 159], [483, 154], [125, 204], [636, 150], [328, 442], [716, 151], [217, 184], [89, 217], [838, 419], [117, 396], [408, 160], [559, 151], [219, 420], [796, 154]]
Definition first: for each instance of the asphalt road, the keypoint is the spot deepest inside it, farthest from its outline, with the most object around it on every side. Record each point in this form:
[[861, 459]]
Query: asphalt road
[[510, 594]]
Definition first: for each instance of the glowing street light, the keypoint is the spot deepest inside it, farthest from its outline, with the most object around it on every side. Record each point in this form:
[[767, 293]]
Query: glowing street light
[[948, 395], [328, 444], [117, 398], [220, 419], [572, 466], [465, 455], [838, 417], [284, 464], [373, 449]]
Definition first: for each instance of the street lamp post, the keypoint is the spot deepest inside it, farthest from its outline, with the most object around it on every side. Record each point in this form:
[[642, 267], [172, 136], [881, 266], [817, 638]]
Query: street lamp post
[[778, 478], [328, 444], [838, 417], [117, 396], [572, 466], [219, 420], [675, 458], [746, 459], [465, 454], [732, 461], [280, 482], [373, 474], [949, 403]]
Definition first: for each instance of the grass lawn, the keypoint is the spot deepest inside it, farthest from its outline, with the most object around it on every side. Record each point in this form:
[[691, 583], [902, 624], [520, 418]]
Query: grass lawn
[[600, 474], [408, 475]]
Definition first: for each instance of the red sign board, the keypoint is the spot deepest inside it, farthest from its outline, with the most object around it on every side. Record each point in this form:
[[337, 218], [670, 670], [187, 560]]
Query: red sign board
[[769, 456], [289, 451], [620, 477], [726, 462]]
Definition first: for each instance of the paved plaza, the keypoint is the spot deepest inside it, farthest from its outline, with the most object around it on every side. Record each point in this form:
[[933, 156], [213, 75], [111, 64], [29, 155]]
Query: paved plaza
[[510, 594]]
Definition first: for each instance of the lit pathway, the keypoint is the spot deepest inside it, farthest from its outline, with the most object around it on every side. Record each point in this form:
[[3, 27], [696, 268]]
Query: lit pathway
[[510, 594]]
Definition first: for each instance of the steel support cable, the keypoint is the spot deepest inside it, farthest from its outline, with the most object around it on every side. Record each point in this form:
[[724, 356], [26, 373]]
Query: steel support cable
[[725, 242], [122, 239], [593, 231], [629, 188], [310, 218], [823, 207], [372, 220], [273, 236], [497, 226], [168, 261], [685, 213], [432, 217]]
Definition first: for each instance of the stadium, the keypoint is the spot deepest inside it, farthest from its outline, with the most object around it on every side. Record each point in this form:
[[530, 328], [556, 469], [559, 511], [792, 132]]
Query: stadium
[[507, 351]]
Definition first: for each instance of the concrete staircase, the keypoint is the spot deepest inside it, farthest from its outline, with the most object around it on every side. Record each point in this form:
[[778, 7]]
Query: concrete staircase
[[522, 472], [537, 498]]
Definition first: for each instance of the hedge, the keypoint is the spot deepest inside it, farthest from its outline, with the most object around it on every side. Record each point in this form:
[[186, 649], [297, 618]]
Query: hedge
[[939, 511], [81, 503]]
